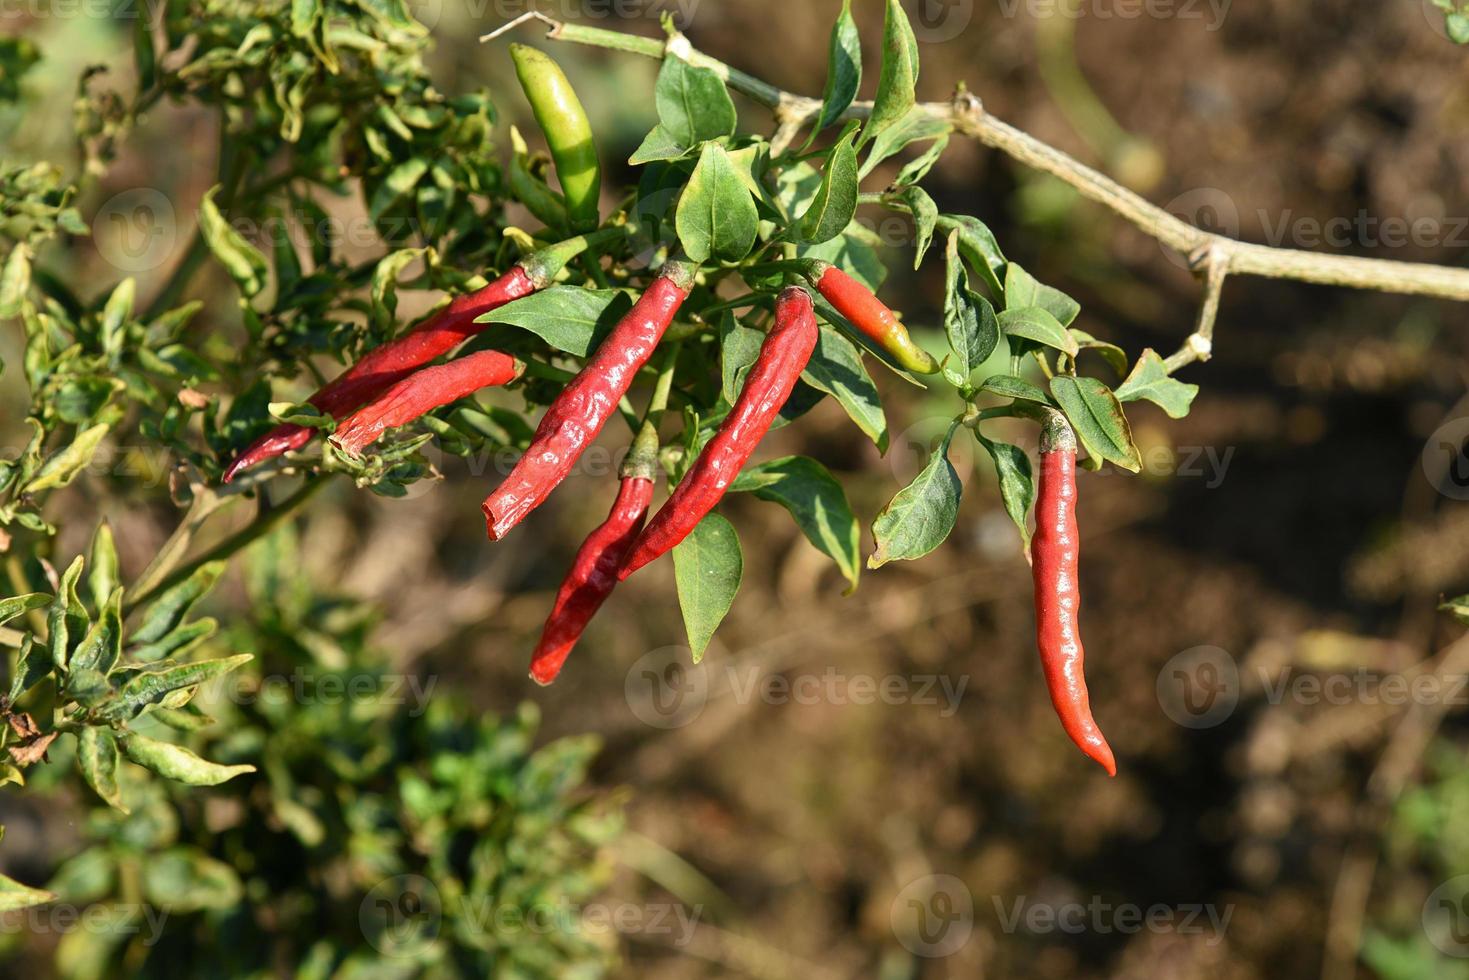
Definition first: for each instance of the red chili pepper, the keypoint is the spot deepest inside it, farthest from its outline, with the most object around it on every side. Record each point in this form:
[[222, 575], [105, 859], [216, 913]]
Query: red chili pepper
[[423, 391], [577, 415], [1054, 553], [782, 358], [870, 315], [385, 366], [592, 576]]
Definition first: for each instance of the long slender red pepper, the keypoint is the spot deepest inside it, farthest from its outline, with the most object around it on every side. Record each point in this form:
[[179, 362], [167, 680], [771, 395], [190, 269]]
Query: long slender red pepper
[[782, 358], [869, 314], [423, 391], [385, 366], [593, 575], [574, 419], [1054, 555]]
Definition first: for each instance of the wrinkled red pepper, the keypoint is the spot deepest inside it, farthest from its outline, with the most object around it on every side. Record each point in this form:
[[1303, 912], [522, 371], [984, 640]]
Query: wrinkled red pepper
[[1054, 557], [577, 415], [423, 391], [778, 367], [385, 366]]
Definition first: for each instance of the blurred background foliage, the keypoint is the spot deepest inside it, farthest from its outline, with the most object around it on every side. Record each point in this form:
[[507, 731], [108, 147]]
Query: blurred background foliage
[[1319, 549]]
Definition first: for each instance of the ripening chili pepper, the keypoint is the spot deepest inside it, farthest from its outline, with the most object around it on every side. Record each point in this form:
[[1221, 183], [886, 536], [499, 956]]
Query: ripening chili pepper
[[869, 314], [423, 391], [577, 415], [568, 133], [594, 571], [383, 367], [778, 367], [1057, 599]]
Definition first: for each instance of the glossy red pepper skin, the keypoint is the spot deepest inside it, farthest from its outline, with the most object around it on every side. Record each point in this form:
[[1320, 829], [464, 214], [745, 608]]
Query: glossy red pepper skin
[[385, 366], [778, 367], [574, 419], [592, 577], [871, 316], [423, 391], [1054, 557]]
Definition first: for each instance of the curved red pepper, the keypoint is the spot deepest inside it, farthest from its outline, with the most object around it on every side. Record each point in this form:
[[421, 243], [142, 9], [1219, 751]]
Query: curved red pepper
[[870, 315], [423, 391], [592, 576], [385, 366], [1054, 556], [577, 415], [782, 358]]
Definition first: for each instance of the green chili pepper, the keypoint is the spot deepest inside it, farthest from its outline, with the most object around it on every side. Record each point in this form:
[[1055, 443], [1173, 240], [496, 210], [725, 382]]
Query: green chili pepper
[[568, 134]]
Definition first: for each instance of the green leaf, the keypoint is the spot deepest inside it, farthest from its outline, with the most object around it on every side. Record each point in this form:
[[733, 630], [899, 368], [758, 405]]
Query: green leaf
[[102, 576], [659, 144], [836, 368], [185, 879], [1457, 25], [969, 320], [716, 215], [15, 280], [980, 249], [843, 69], [916, 169], [244, 262], [15, 605], [67, 619], [569, 318], [102, 646], [739, 346], [1022, 290], [1098, 420], [63, 467], [403, 178], [115, 316], [1017, 489], [383, 292], [152, 686], [916, 125], [922, 515], [835, 203], [708, 566], [897, 82], [166, 613], [1009, 386], [693, 104], [1457, 607], [176, 643], [177, 762], [1037, 324], [14, 895], [1150, 380], [817, 502], [925, 218], [33, 664], [97, 760]]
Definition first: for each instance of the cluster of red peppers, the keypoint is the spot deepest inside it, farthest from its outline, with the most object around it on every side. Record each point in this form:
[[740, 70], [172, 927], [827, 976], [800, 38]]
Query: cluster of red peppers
[[394, 385]]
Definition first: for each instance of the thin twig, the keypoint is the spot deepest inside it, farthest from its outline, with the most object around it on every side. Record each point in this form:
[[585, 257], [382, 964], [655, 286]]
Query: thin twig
[[1200, 344]]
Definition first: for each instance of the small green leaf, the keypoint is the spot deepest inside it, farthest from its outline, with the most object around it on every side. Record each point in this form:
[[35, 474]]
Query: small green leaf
[[693, 104], [835, 203], [167, 612], [115, 316], [739, 346], [836, 368], [708, 566], [187, 880], [102, 574], [843, 69], [1457, 607], [917, 125], [1009, 386], [15, 280], [659, 144], [403, 178], [177, 762], [897, 82], [1150, 380], [1457, 25], [1037, 324], [32, 665], [63, 467], [1022, 290], [1017, 490], [102, 646], [243, 261], [1097, 417], [67, 619], [817, 502], [925, 218], [152, 686], [14, 895], [177, 643], [969, 320], [916, 169], [15, 605], [716, 215], [569, 318], [980, 249], [922, 515], [97, 760]]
